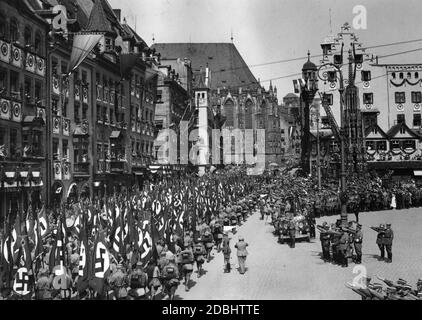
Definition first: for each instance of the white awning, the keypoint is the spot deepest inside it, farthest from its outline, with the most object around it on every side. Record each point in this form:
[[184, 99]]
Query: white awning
[[417, 173]]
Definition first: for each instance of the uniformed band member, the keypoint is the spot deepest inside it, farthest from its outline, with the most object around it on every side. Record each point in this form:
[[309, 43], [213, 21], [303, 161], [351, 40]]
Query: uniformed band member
[[358, 238], [388, 242]]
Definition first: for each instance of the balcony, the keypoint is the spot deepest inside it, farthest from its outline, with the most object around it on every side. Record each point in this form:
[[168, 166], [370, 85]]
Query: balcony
[[81, 169]]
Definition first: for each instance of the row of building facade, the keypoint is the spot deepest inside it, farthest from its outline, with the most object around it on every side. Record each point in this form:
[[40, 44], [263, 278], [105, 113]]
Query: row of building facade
[[88, 130]]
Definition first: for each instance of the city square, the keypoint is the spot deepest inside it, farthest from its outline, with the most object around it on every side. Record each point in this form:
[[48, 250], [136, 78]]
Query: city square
[[226, 150]]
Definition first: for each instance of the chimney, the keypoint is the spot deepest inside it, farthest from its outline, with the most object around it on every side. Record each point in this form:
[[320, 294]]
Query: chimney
[[118, 13]]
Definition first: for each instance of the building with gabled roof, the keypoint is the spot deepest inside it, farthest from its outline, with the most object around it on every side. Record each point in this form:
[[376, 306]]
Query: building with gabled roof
[[235, 94]]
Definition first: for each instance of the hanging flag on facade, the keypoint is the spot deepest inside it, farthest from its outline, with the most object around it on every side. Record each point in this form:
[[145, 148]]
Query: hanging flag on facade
[[83, 43]]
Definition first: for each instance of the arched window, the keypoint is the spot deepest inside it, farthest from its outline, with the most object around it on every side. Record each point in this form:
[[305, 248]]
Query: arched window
[[38, 43], [3, 27], [248, 114], [416, 75], [27, 36], [229, 113], [14, 30], [401, 75], [393, 75], [409, 75]]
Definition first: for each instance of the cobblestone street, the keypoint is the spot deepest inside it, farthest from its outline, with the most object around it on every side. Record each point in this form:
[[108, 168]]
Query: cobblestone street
[[276, 271]]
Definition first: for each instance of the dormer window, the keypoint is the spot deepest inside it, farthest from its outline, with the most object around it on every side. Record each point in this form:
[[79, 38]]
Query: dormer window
[[109, 44], [28, 36], [14, 31]]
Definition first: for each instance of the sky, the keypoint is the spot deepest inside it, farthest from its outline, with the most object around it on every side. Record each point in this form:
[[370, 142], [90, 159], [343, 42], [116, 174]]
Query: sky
[[272, 30]]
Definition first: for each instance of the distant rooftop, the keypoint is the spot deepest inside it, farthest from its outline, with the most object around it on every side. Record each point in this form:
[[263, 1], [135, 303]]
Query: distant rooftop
[[228, 69]]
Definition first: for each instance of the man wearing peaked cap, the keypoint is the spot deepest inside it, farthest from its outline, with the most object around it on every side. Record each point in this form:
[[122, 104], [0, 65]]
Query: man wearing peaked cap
[[388, 242], [241, 254], [379, 241]]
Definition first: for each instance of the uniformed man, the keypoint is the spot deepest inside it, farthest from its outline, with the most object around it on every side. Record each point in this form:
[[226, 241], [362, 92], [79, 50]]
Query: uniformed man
[[242, 253], [292, 233], [380, 241], [138, 282], [199, 253], [226, 252], [186, 257], [388, 242], [342, 247], [358, 238], [335, 239], [325, 238], [207, 239], [44, 285], [118, 282]]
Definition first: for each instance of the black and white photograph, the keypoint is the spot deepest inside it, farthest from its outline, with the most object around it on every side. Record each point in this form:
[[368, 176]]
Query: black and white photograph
[[216, 151]]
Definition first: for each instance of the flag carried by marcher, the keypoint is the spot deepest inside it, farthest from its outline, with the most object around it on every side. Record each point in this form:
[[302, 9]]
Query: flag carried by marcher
[[101, 263]]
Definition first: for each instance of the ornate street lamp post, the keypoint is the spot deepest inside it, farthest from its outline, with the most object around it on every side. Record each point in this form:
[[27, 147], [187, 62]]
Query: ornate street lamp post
[[309, 75]]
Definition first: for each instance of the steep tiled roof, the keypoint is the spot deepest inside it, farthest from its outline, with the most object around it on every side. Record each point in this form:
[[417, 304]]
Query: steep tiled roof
[[369, 129], [228, 69], [394, 129], [132, 34], [102, 18]]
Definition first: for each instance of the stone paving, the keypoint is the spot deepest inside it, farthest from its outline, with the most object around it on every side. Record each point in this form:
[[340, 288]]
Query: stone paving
[[276, 271]]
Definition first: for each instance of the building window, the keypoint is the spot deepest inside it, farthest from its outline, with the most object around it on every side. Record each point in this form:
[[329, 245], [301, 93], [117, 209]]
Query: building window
[[368, 98], [84, 112], [3, 81], [400, 97], [38, 43], [382, 145], [393, 75], [27, 35], [416, 75], [416, 97], [417, 120], [3, 27], [409, 75], [64, 108], [395, 144], [76, 115], [14, 31], [28, 88], [38, 91], [401, 118], [65, 149], [401, 75], [159, 95], [3, 139], [55, 107], [411, 144], [14, 83]]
